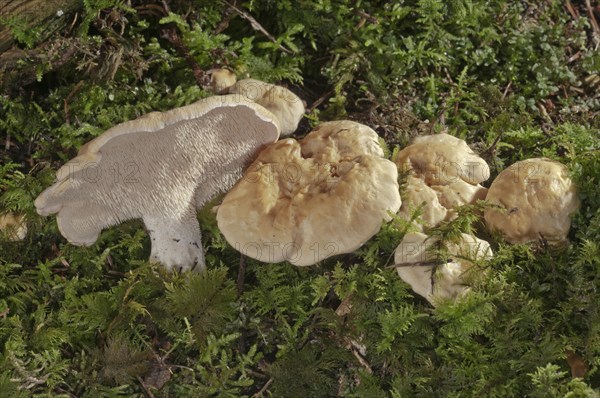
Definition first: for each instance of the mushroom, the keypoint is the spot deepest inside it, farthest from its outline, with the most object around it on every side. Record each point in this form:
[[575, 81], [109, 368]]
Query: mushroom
[[449, 168], [440, 159], [435, 277], [160, 167], [221, 80], [536, 198], [417, 194], [304, 201], [13, 227], [287, 107]]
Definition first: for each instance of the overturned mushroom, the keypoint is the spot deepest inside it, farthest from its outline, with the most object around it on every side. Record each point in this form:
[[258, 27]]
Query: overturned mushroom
[[287, 107], [436, 277], [160, 168], [537, 199], [305, 201], [446, 167], [13, 227]]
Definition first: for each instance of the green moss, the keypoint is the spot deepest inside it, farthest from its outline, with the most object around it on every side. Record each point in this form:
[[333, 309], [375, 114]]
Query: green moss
[[516, 79]]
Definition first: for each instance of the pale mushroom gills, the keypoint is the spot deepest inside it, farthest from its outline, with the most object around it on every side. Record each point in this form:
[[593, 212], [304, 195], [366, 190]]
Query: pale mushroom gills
[[304, 201]]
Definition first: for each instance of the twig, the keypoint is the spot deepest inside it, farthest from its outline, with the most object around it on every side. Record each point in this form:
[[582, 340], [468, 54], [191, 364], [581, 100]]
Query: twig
[[228, 15], [74, 91], [366, 16], [170, 33], [571, 9], [319, 101], [264, 389], [257, 26], [240, 289], [241, 275], [595, 26], [492, 147], [505, 93], [361, 359], [146, 390]]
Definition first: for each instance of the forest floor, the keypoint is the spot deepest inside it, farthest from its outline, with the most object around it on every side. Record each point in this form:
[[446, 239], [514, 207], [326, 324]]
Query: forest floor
[[515, 79]]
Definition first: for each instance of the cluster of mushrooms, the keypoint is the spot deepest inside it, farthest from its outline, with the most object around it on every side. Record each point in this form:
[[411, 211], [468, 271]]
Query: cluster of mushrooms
[[297, 200]]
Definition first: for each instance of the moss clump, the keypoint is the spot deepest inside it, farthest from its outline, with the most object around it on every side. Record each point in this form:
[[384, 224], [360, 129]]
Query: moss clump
[[516, 79]]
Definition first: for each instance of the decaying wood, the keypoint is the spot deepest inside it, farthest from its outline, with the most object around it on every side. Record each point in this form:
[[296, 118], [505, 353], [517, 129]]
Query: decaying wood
[[47, 16]]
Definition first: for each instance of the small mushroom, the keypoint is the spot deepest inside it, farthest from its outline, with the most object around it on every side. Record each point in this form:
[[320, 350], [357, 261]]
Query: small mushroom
[[417, 194], [221, 80], [13, 227], [437, 278], [449, 169], [537, 198], [304, 201], [287, 107], [160, 168]]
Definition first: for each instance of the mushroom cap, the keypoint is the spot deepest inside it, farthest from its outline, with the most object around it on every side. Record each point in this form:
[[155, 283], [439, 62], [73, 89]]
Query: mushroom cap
[[287, 107], [459, 193], [14, 226], [435, 281], [539, 199], [440, 159], [446, 167], [417, 193], [221, 80], [304, 201], [153, 168]]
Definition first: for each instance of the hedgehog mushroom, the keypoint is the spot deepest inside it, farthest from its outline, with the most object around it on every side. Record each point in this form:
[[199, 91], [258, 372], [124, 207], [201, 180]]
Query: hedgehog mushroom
[[449, 168], [537, 199], [304, 201], [221, 80], [159, 168], [433, 277], [416, 194], [13, 227], [287, 107]]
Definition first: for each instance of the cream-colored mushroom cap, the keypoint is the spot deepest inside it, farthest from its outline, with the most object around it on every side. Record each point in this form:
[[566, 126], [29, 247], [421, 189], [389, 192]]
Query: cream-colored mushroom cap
[[221, 80], [459, 193], [440, 159], [433, 278], [13, 226], [417, 194], [287, 107], [305, 201], [538, 198], [160, 167], [447, 167]]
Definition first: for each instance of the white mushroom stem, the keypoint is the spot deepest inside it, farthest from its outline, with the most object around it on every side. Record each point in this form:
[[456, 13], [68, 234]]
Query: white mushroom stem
[[176, 243]]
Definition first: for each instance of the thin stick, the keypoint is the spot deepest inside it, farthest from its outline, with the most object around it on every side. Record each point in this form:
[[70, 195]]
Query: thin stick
[[257, 26], [264, 389]]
